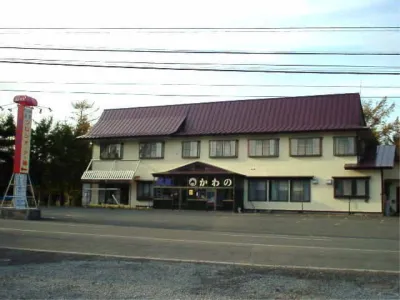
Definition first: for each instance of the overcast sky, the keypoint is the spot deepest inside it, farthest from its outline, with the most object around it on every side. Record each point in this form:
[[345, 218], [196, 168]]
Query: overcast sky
[[173, 13]]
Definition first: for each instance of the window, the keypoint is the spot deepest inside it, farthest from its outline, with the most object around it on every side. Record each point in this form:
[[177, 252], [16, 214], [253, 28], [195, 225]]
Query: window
[[111, 151], [300, 191], [151, 150], [351, 187], [190, 149], [344, 146], [223, 148], [257, 190], [117, 193], [279, 190], [263, 148], [144, 190], [306, 147]]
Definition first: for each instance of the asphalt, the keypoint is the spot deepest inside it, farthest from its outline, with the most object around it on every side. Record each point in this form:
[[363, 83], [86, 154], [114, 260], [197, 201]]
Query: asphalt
[[316, 242], [332, 225], [40, 275]]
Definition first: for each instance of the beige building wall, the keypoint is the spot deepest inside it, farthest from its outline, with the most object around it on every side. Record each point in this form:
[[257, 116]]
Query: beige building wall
[[323, 168]]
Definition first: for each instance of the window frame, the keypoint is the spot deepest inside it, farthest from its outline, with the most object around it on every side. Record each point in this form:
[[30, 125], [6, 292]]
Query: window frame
[[142, 197], [276, 148], [308, 196], [198, 149], [268, 190], [108, 144], [335, 140], [306, 155], [222, 141], [152, 142], [353, 180], [270, 199], [266, 182]]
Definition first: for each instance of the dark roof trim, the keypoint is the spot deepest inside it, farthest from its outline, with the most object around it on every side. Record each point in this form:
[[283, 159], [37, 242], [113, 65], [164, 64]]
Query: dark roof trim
[[195, 168], [351, 177], [365, 167], [281, 177], [222, 134]]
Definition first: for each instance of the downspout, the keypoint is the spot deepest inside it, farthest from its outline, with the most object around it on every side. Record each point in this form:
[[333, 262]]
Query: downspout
[[383, 193]]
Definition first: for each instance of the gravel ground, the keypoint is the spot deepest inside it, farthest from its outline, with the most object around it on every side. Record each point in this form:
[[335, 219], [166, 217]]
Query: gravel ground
[[36, 275]]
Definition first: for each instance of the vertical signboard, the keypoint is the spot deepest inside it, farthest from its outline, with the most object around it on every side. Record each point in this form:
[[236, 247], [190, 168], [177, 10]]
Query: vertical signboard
[[23, 140], [20, 184]]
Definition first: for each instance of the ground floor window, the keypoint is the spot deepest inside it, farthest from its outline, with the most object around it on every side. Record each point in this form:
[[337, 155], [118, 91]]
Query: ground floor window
[[258, 190], [145, 190], [117, 193], [351, 187], [279, 190], [300, 190]]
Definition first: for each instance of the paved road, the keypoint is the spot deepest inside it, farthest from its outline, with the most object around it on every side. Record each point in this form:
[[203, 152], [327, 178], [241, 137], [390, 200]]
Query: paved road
[[337, 242], [377, 227]]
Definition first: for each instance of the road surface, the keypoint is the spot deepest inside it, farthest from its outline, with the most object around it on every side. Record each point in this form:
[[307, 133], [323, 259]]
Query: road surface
[[338, 242]]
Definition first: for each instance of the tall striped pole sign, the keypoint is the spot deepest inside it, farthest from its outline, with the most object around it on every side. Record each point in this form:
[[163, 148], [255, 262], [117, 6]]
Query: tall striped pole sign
[[20, 176]]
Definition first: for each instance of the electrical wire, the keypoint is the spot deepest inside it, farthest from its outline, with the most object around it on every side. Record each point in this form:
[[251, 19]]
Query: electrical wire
[[205, 64], [205, 85], [161, 95], [188, 51], [197, 69], [223, 29]]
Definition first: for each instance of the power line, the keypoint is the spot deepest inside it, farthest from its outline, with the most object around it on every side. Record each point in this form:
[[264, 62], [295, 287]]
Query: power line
[[198, 69], [202, 85], [161, 95], [205, 64], [291, 28], [181, 51]]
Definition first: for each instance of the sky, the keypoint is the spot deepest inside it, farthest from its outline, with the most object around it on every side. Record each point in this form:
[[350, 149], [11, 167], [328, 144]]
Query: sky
[[205, 13]]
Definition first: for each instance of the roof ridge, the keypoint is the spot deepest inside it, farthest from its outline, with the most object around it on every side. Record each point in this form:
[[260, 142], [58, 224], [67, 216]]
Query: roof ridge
[[230, 101]]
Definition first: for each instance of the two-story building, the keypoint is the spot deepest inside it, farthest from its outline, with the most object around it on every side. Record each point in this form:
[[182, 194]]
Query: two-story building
[[311, 153]]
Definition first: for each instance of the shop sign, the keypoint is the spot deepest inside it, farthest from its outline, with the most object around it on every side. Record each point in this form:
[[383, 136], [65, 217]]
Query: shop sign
[[161, 181], [215, 182]]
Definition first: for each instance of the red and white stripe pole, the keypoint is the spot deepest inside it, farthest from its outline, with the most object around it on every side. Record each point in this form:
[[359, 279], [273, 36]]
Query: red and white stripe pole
[[22, 149]]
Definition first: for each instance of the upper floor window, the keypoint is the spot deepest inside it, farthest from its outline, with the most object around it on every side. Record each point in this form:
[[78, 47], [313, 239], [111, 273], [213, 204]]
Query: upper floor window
[[351, 187], [344, 145], [151, 150], [223, 148], [263, 148], [190, 149], [306, 147], [110, 151]]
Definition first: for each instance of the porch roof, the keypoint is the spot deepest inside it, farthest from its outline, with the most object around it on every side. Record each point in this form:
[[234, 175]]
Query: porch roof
[[384, 158], [94, 175]]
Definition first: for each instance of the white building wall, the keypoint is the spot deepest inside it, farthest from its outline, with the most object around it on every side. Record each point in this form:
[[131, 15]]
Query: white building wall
[[323, 168]]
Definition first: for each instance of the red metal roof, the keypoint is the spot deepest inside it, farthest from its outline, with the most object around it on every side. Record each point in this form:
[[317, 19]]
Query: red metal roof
[[294, 114]]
